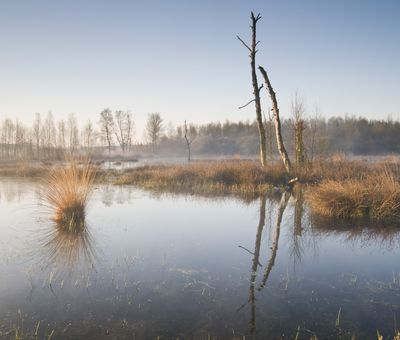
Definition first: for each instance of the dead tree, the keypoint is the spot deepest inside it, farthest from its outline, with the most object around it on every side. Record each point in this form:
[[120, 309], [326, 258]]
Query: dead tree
[[298, 113], [269, 132], [256, 88], [189, 140], [278, 130]]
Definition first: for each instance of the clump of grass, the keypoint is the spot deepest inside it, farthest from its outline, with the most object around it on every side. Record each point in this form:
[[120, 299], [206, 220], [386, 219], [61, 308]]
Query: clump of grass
[[66, 190], [375, 195]]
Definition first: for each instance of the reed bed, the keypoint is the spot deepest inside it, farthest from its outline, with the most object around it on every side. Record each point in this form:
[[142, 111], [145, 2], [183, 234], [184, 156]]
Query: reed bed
[[65, 190]]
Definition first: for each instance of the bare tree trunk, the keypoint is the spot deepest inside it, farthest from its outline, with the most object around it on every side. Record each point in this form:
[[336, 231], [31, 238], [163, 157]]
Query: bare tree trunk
[[187, 141], [256, 89], [278, 132]]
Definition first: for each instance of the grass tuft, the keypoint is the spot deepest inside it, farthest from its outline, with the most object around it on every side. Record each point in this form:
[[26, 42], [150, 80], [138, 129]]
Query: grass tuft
[[66, 190]]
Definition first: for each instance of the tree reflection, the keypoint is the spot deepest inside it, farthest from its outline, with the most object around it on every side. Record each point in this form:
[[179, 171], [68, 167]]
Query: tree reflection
[[256, 254], [296, 249], [274, 249]]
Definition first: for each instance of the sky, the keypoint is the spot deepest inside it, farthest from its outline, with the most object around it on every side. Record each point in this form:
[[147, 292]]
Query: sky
[[182, 59]]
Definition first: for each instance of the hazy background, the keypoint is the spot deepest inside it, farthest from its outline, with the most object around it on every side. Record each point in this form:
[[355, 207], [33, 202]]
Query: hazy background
[[182, 58]]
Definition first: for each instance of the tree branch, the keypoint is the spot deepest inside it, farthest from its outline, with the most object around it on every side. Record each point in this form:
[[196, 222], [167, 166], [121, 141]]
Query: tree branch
[[247, 46], [243, 106]]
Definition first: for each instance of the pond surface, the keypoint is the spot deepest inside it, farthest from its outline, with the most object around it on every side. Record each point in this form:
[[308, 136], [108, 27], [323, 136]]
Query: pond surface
[[185, 267]]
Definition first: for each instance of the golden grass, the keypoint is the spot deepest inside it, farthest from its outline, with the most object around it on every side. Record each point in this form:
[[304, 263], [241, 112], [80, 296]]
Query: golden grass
[[246, 178], [65, 190], [375, 195]]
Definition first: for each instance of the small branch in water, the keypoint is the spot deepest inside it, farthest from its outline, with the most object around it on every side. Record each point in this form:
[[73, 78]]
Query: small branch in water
[[246, 250], [250, 253]]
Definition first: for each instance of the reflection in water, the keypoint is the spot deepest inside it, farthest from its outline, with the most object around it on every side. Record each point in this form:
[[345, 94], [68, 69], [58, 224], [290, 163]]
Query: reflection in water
[[155, 269], [111, 194], [274, 249], [358, 232], [296, 249], [256, 254], [65, 251], [256, 263], [12, 191]]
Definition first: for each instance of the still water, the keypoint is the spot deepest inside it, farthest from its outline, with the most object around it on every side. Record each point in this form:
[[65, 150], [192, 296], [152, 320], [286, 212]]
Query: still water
[[165, 267]]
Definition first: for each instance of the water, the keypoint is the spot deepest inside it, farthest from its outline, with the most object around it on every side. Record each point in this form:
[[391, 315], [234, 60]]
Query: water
[[181, 266]]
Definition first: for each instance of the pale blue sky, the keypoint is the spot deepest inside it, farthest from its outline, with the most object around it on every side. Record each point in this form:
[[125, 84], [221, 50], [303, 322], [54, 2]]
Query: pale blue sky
[[182, 58]]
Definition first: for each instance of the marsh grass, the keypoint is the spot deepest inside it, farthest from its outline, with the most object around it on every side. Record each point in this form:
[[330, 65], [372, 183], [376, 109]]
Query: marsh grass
[[65, 190], [246, 178], [373, 195]]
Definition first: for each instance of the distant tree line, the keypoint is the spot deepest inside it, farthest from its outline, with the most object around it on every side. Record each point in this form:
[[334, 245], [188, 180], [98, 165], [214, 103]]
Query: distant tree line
[[113, 132], [321, 137]]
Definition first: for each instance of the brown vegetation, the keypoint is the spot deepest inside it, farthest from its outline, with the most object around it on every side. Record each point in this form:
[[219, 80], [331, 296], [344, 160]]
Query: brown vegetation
[[374, 194], [66, 190], [336, 187], [246, 179]]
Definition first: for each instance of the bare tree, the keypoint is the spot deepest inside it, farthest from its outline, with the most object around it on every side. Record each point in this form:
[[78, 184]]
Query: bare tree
[[106, 123], [154, 128], [190, 136], [123, 128], [49, 134], [278, 132], [7, 136], [19, 139], [256, 88], [72, 129], [298, 110], [88, 136], [61, 135], [36, 133]]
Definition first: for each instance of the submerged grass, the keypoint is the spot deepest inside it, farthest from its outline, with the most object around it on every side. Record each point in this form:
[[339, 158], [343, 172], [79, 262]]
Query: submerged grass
[[65, 190]]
